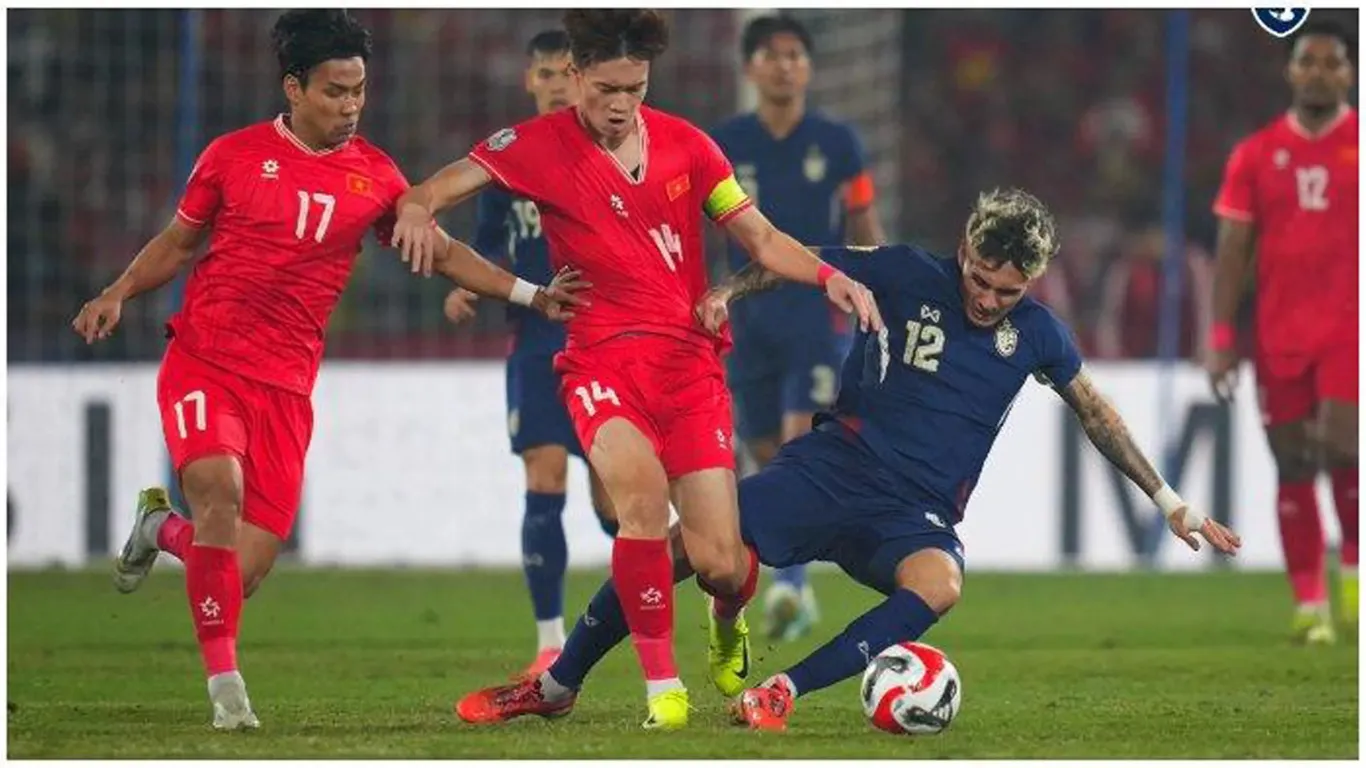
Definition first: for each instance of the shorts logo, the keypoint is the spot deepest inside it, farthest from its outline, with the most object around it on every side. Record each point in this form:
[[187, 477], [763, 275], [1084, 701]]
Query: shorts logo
[[935, 520], [500, 140], [1007, 338], [514, 422], [1280, 22]]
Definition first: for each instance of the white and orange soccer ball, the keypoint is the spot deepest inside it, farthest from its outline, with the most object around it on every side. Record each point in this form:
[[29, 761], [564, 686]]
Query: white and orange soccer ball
[[911, 688]]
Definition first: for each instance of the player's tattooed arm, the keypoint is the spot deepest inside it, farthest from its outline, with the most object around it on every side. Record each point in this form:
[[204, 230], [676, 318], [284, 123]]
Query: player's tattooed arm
[[754, 278], [713, 310], [1107, 432]]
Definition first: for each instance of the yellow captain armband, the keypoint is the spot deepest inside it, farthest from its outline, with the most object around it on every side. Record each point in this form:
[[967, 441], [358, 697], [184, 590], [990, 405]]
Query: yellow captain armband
[[725, 200]]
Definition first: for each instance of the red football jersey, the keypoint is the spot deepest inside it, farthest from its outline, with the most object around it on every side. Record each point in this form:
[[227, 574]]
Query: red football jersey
[[288, 222], [1300, 192], [639, 242]]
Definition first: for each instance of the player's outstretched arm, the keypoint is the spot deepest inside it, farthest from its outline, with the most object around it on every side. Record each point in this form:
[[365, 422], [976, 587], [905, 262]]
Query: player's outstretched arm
[[414, 234], [154, 266], [714, 308], [1233, 258], [1108, 433], [473, 272], [789, 259]]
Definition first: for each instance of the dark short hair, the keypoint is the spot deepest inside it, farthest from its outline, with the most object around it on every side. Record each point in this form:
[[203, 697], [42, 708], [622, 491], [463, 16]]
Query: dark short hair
[[548, 43], [759, 31], [1323, 28], [605, 34], [306, 38], [1013, 226]]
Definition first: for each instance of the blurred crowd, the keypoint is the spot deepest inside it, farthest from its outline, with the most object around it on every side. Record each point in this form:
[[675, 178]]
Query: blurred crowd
[[108, 108]]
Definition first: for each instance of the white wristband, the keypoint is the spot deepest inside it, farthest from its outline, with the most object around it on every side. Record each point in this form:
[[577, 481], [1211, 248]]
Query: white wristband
[[1169, 502], [523, 292]]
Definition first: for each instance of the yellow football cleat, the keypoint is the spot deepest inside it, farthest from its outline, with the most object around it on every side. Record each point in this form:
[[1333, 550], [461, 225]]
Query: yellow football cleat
[[668, 711], [728, 655], [1348, 597], [1312, 627]]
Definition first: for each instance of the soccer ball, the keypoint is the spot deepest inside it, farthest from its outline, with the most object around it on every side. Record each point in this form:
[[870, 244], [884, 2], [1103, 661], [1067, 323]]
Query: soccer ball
[[911, 688]]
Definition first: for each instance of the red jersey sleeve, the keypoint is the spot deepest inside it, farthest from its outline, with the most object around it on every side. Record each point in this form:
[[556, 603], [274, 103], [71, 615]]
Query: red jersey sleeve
[[204, 189], [517, 158], [1237, 195], [722, 197]]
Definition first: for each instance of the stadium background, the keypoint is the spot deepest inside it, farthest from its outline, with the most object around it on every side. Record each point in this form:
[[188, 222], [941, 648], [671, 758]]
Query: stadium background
[[1119, 119]]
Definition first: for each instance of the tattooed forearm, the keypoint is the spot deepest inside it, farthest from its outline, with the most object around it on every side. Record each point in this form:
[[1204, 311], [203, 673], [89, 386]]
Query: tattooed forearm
[[1107, 432], [754, 278]]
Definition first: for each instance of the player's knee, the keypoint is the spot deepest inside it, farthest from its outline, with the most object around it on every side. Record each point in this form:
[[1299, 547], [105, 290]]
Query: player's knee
[[721, 567], [1340, 448], [934, 576], [1294, 461], [547, 469], [213, 488], [762, 450], [643, 518]]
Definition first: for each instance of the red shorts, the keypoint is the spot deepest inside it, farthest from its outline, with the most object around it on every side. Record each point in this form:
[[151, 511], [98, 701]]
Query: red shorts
[[207, 411], [1290, 389], [673, 392]]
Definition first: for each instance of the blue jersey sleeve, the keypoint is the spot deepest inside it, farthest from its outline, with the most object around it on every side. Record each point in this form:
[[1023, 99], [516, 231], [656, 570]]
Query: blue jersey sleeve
[[1059, 358], [876, 267], [490, 230], [857, 157]]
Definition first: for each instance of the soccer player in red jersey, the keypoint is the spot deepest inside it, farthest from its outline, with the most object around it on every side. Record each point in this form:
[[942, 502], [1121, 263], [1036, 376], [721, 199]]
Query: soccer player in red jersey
[[619, 187], [1289, 201], [289, 203]]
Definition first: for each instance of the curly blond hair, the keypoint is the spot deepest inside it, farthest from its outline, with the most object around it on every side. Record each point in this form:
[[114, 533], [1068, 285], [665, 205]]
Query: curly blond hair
[[1013, 226]]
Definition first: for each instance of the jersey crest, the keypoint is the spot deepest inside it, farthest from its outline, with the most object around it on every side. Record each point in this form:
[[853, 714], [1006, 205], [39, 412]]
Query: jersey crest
[[1280, 22], [814, 165], [1007, 338]]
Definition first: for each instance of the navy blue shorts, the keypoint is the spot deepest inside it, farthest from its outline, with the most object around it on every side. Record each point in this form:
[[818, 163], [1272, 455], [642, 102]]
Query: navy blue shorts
[[827, 498], [536, 415], [779, 367]]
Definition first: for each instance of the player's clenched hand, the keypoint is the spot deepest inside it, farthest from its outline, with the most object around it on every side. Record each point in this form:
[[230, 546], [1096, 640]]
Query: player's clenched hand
[[416, 238], [1217, 534], [98, 317], [1222, 367], [852, 296], [557, 300], [714, 309], [459, 305]]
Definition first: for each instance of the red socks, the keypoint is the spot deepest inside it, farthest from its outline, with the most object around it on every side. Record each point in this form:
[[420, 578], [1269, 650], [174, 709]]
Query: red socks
[[643, 572], [214, 583], [1345, 499], [175, 536], [1302, 541]]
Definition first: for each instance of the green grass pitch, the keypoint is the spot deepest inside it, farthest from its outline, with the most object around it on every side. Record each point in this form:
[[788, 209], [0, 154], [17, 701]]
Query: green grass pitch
[[367, 663]]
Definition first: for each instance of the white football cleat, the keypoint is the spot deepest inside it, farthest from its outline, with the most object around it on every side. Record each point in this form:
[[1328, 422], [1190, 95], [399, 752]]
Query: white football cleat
[[231, 707], [140, 551]]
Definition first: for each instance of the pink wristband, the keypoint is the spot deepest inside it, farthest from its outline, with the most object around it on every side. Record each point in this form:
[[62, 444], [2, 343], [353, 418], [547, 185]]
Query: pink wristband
[[824, 274], [1222, 337]]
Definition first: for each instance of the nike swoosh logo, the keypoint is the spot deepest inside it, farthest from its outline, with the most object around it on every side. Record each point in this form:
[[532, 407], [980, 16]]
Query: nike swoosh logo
[[744, 663]]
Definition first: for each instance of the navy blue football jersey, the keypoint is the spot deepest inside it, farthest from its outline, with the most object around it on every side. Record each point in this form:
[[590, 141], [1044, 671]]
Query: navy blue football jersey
[[796, 182], [930, 392], [508, 230]]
